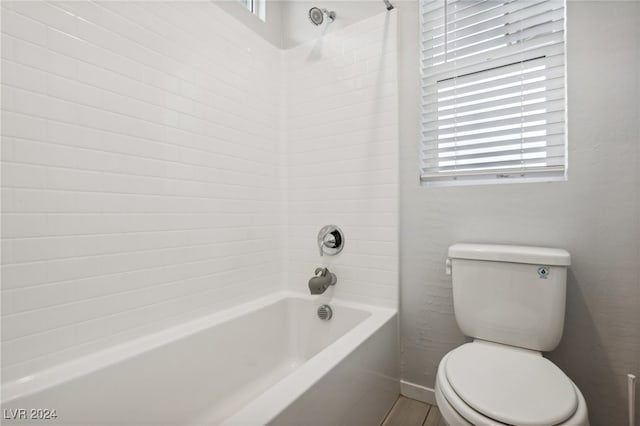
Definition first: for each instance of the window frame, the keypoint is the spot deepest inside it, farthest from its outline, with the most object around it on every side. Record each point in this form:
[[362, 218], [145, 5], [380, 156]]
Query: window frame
[[435, 176]]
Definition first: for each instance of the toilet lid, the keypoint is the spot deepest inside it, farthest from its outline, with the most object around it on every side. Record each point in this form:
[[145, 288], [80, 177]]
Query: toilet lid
[[510, 385]]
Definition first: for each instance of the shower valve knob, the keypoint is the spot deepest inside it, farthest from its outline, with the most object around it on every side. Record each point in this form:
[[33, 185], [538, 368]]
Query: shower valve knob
[[330, 240]]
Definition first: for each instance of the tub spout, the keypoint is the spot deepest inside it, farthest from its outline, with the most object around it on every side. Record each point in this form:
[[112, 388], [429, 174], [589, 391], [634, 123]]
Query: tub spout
[[322, 280]]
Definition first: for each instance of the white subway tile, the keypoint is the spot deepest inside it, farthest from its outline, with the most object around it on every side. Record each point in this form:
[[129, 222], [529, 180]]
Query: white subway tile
[[140, 184], [22, 27], [343, 160], [149, 168]]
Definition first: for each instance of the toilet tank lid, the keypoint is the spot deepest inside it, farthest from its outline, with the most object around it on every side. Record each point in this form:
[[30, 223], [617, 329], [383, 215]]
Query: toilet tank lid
[[509, 253]]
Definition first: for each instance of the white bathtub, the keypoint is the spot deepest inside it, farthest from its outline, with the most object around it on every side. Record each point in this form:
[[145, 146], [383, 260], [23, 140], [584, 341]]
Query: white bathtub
[[270, 361]]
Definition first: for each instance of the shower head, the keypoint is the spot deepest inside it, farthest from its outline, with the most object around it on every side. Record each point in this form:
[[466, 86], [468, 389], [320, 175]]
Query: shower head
[[316, 15]]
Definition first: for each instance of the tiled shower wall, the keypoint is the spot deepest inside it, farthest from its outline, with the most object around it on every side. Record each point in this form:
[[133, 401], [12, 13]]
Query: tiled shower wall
[[139, 186], [342, 149]]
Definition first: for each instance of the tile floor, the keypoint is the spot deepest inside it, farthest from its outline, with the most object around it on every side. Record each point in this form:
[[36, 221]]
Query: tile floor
[[409, 412]]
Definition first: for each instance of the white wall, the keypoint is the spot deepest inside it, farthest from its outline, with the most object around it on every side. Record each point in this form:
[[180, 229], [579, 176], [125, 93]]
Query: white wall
[[297, 29], [342, 148], [595, 214], [140, 173]]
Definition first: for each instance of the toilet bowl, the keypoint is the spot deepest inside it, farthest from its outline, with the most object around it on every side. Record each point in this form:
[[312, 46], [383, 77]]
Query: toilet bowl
[[488, 384], [511, 301]]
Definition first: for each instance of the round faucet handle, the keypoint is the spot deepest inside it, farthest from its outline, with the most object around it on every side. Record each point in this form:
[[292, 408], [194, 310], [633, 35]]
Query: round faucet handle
[[330, 240]]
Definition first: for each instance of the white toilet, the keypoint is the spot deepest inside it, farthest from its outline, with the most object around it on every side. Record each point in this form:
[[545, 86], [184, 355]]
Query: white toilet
[[511, 300]]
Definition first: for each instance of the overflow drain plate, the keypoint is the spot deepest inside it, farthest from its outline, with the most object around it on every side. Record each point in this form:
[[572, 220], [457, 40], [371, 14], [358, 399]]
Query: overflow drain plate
[[325, 312]]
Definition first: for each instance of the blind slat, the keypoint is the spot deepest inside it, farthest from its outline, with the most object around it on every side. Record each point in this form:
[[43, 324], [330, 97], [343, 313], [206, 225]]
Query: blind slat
[[507, 134], [436, 9], [503, 164], [525, 153], [548, 139], [500, 95], [551, 141], [478, 130], [522, 47], [531, 110], [431, 113], [492, 34], [521, 79], [454, 68], [482, 12], [533, 12], [466, 49], [501, 74]]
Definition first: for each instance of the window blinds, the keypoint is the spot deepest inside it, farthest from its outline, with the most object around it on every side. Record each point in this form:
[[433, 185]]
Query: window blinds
[[493, 89]]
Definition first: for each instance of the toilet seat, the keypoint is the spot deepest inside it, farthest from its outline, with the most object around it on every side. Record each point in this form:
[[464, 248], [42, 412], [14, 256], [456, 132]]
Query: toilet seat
[[539, 394]]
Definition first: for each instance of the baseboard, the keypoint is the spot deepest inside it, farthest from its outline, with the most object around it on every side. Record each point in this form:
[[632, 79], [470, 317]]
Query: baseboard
[[420, 393]]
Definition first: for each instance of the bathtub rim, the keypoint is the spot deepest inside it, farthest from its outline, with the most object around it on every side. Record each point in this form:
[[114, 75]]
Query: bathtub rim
[[87, 364]]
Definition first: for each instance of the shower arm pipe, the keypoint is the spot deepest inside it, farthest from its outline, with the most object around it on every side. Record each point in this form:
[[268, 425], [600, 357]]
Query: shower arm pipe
[[330, 14], [388, 4]]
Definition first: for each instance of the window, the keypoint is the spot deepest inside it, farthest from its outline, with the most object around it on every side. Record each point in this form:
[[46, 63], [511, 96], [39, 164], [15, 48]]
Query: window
[[257, 7], [493, 91]]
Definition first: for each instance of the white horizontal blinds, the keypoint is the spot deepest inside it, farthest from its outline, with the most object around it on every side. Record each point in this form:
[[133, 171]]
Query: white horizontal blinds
[[493, 89]]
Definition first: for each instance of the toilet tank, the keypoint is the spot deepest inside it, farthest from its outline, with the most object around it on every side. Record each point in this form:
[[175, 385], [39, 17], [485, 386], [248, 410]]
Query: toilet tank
[[510, 294]]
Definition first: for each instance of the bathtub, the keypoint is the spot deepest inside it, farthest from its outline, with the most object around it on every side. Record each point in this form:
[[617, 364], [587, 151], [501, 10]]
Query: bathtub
[[270, 361]]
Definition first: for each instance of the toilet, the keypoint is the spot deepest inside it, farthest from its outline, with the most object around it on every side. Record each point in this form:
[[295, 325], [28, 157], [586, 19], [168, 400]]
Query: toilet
[[511, 301]]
